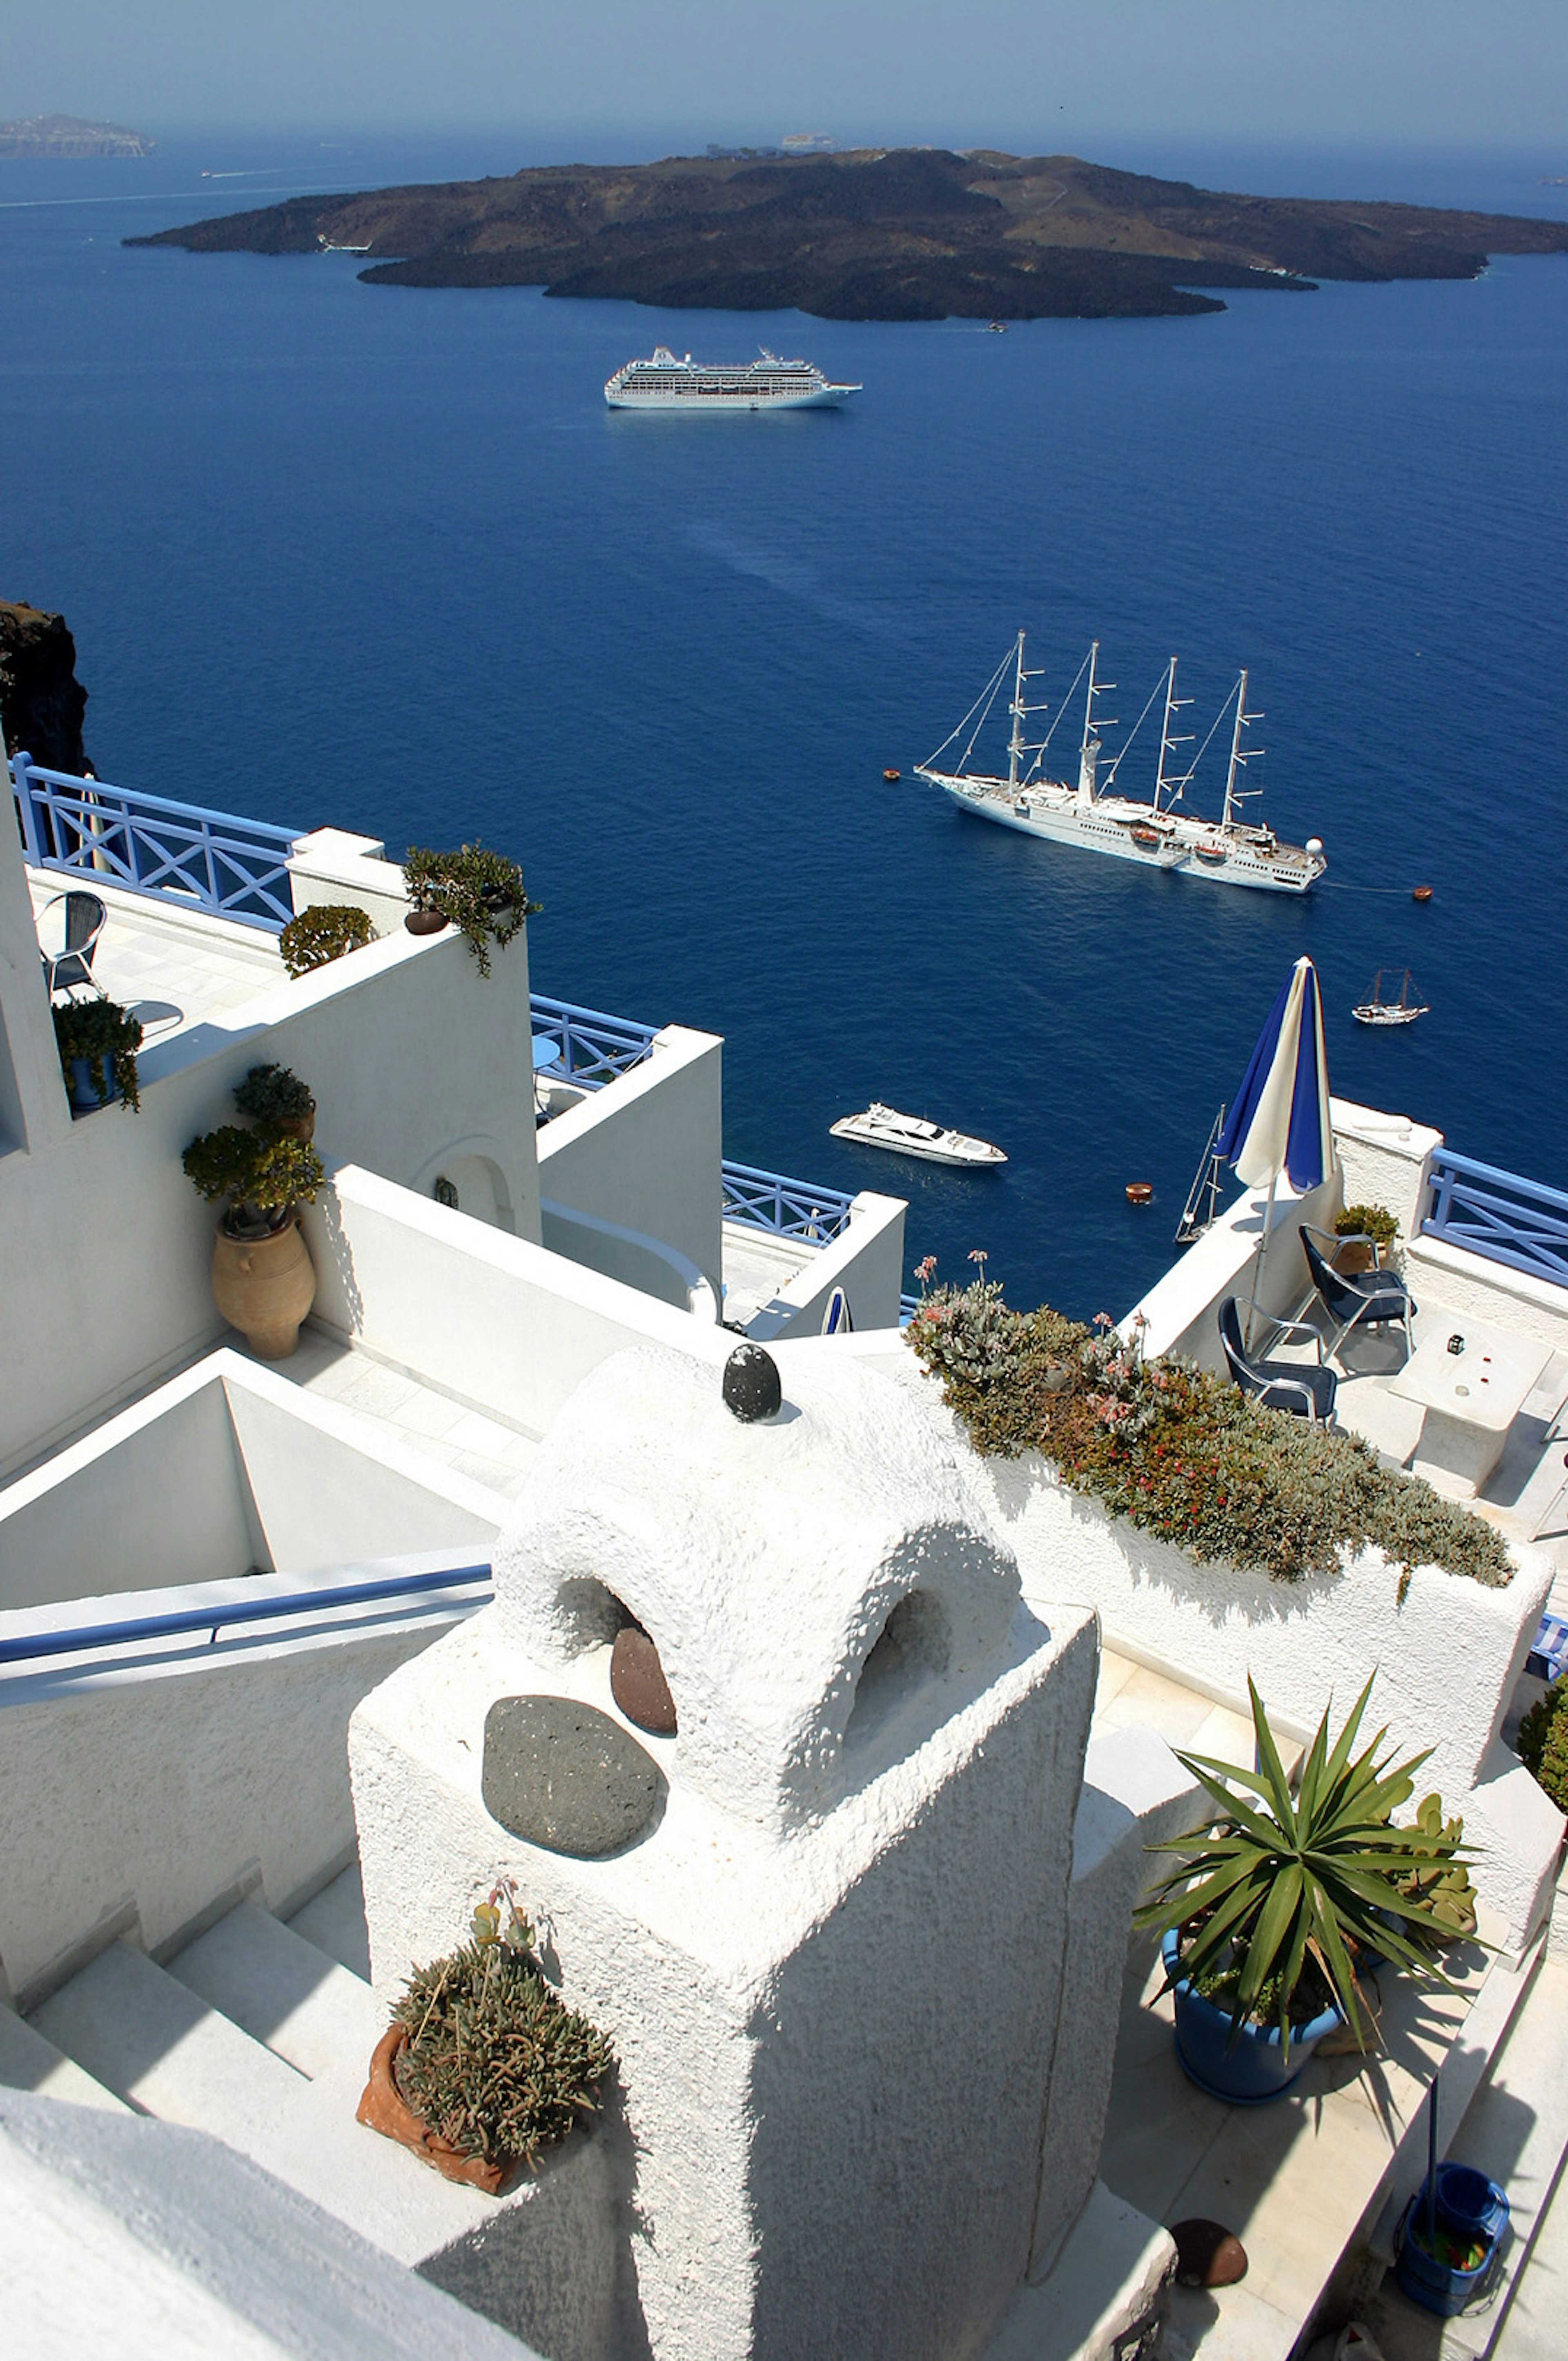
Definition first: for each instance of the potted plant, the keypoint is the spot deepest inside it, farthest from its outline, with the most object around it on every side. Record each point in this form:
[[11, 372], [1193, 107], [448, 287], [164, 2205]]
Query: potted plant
[[482, 2067], [323, 933], [97, 1040], [478, 892], [263, 1280], [1274, 1904], [278, 1101], [1369, 1232]]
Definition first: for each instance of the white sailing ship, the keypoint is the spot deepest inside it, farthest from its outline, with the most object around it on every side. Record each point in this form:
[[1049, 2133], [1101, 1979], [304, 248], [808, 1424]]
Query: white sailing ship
[[1376, 1010], [910, 1134], [1093, 813], [766, 383]]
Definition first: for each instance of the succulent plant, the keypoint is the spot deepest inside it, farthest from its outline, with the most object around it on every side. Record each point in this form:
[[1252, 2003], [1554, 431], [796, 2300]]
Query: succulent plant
[[272, 1094], [478, 892], [1441, 1882], [97, 1030], [264, 1176], [495, 2062], [323, 933]]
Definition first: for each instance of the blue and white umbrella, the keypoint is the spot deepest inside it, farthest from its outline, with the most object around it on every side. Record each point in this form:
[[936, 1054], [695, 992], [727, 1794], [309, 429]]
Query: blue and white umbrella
[[1279, 1121]]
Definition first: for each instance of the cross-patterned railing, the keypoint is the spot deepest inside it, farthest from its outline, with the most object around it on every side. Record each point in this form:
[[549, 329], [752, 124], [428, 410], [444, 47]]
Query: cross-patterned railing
[[591, 1047], [1498, 1214], [791, 1209], [208, 860]]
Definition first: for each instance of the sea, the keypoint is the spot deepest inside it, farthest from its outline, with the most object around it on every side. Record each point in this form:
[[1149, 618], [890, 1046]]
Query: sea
[[382, 558]]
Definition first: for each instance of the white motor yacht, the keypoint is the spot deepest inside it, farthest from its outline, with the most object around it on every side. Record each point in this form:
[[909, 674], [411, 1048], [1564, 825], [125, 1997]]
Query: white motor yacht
[[910, 1134]]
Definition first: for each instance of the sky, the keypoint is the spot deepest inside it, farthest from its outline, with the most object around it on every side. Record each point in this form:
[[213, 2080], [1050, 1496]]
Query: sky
[[1043, 76]]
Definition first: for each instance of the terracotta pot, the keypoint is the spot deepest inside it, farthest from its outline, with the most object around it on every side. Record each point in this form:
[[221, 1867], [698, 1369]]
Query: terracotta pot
[[301, 1127], [424, 922], [384, 2109], [264, 1287], [1358, 1255]]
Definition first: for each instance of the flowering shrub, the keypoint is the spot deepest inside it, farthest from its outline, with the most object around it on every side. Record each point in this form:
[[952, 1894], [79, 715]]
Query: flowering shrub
[[1179, 1452]]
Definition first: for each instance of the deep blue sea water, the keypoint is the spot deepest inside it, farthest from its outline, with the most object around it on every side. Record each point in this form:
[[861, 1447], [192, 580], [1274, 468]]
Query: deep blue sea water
[[381, 557]]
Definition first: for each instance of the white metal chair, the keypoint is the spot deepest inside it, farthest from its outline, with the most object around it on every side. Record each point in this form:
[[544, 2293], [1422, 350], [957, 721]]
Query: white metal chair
[[71, 968]]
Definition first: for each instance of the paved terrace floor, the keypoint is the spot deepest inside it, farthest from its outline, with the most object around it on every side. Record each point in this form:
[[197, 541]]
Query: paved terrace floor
[[175, 966]]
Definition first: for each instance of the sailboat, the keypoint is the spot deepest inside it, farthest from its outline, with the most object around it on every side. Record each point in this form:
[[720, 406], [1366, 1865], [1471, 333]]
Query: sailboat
[[1093, 813], [1376, 1010]]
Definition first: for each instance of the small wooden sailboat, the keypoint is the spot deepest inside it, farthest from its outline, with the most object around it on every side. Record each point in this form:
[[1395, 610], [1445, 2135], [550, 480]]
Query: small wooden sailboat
[[1376, 1010]]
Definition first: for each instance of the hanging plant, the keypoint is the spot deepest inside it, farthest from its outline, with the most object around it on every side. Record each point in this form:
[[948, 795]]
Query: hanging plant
[[103, 1037], [478, 892]]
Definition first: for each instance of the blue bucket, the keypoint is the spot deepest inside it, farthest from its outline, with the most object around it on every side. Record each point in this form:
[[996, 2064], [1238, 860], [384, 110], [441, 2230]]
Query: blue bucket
[[1471, 2211]]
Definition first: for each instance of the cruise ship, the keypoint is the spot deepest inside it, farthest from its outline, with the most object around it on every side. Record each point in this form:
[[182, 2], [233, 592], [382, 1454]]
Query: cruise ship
[[766, 383], [1092, 813]]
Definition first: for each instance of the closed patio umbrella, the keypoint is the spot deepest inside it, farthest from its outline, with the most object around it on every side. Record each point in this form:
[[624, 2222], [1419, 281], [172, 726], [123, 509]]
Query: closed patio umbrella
[[1279, 1121]]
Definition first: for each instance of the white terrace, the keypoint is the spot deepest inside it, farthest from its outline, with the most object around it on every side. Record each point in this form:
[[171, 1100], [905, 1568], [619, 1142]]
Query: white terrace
[[209, 1570]]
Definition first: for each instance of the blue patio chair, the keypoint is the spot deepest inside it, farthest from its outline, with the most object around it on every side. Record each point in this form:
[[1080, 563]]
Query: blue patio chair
[[1306, 1388], [72, 967], [1370, 1298]]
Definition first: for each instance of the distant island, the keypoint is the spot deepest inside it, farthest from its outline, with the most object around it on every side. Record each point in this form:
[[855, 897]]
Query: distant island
[[68, 134], [872, 234]]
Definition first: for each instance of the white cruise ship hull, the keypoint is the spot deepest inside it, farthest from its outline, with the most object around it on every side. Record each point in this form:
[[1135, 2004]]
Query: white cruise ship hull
[[826, 397], [1107, 826]]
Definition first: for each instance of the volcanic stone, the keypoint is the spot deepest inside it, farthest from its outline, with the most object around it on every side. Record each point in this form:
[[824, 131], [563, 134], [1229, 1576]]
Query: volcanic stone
[[566, 1776], [751, 1386], [637, 1682], [1207, 2253]]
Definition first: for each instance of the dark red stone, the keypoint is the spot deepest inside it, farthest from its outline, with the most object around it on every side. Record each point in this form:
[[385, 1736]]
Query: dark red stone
[[1207, 2253], [637, 1682]]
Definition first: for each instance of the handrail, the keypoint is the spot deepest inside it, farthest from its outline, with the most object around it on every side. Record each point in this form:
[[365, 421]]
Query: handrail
[[593, 1048], [789, 1209], [234, 867], [1497, 1214], [204, 1619]]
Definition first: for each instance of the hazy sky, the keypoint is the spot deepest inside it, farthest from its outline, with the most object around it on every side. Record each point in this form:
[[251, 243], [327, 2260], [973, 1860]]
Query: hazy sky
[[1048, 73]]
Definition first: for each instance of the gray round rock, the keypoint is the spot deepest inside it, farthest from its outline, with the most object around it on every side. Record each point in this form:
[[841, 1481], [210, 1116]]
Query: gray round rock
[[566, 1776]]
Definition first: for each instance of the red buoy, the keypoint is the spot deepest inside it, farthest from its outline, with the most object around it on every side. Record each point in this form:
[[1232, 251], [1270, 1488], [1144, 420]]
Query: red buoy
[[1421, 892], [890, 775], [1139, 1193]]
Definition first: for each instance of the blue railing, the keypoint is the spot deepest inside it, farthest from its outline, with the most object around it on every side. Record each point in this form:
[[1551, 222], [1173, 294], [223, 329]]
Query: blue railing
[[592, 1047], [208, 860], [83, 1639], [791, 1209], [1510, 1220]]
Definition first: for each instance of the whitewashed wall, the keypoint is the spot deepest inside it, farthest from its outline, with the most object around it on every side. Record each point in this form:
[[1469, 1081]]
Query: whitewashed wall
[[866, 1260], [645, 1153], [105, 1246]]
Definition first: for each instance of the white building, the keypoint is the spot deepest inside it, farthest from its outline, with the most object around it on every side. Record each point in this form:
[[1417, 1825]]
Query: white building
[[926, 1702]]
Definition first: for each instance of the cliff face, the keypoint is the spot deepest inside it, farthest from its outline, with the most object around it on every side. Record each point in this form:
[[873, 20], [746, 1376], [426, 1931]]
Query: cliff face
[[42, 701]]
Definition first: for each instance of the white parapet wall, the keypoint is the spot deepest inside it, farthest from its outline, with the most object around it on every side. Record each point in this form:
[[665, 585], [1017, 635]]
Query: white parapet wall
[[415, 1062], [866, 1259], [504, 1325], [1178, 1314], [833, 1994], [645, 1153]]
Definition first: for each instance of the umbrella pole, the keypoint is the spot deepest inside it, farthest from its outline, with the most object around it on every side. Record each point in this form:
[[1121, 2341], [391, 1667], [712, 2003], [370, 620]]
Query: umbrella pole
[[1262, 1251]]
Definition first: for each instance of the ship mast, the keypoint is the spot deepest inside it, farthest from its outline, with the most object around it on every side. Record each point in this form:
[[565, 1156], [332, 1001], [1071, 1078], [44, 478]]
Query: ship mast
[[1239, 760], [1088, 752], [1018, 708], [1168, 743]]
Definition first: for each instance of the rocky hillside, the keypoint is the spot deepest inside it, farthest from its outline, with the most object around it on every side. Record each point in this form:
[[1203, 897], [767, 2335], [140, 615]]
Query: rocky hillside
[[41, 702]]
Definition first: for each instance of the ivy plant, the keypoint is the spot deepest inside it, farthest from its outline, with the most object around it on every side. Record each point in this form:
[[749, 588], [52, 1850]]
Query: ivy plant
[[100, 1030], [478, 892]]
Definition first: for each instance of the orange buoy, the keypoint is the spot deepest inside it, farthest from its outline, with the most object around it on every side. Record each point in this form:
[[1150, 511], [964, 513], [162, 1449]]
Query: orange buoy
[[1421, 892], [1139, 1193], [891, 775]]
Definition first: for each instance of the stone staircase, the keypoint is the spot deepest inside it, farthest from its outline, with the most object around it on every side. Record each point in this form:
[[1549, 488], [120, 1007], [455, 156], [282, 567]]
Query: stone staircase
[[258, 2032]]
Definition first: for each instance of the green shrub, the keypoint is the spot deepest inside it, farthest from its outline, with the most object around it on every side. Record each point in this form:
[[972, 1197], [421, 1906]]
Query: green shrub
[[496, 2063], [96, 1029], [322, 934], [1367, 1222], [1273, 1897], [478, 892], [263, 1175], [1182, 1453], [272, 1096], [1542, 1743]]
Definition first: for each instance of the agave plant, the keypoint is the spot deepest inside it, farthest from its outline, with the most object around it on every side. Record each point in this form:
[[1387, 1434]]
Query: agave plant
[[1266, 1891]]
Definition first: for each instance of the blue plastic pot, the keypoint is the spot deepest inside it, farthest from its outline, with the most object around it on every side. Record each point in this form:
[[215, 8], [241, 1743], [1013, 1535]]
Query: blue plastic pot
[[1470, 2210], [1245, 2070], [79, 1089]]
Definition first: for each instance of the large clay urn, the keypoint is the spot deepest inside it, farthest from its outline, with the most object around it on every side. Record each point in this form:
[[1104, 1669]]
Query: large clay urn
[[264, 1287]]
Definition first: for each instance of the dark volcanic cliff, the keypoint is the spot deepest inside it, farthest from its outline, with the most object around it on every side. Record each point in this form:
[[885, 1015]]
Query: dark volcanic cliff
[[41, 702], [910, 233]]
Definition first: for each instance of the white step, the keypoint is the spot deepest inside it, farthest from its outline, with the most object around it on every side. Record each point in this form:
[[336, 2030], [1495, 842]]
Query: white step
[[334, 1920], [280, 1989], [28, 2062], [144, 2035]]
